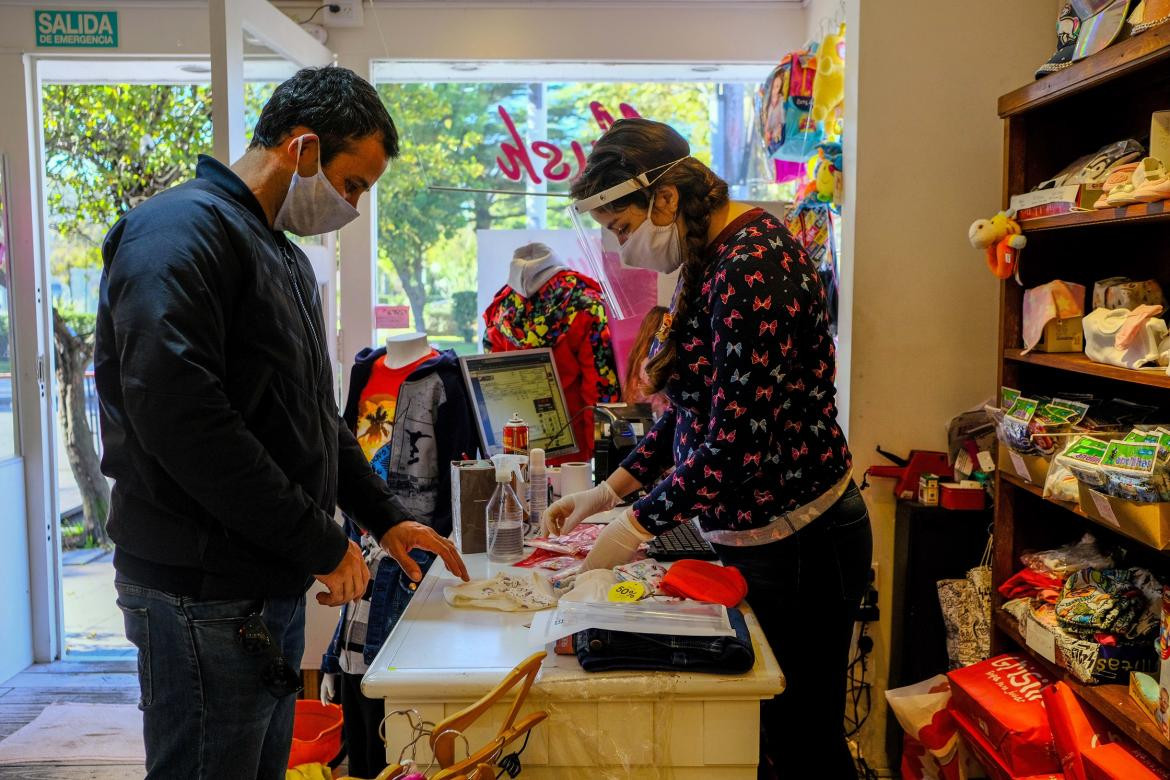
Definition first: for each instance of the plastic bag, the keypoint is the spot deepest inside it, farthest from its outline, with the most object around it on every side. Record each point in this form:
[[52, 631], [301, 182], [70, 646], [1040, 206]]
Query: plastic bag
[[1065, 560]]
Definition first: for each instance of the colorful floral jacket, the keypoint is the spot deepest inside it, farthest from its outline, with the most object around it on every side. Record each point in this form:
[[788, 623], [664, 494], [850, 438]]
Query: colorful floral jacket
[[567, 315]]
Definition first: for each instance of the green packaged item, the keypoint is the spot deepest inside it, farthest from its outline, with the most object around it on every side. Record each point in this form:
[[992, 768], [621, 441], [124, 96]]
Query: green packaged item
[[1007, 397], [1134, 473], [1083, 458], [1079, 409], [1023, 409]]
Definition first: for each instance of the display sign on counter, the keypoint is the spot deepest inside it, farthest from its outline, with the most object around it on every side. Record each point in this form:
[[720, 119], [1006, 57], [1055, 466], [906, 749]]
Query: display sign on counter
[[81, 29], [391, 317]]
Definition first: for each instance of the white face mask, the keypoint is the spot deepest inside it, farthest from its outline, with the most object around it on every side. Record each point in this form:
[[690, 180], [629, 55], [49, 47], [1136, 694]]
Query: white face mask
[[654, 247], [312, 205]]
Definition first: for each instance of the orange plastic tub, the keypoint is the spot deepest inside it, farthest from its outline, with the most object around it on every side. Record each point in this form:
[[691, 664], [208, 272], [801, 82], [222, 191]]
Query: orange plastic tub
[[316, 733]]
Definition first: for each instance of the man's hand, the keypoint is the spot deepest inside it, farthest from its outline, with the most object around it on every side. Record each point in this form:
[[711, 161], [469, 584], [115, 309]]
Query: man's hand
[[407, 535], [348, 581]]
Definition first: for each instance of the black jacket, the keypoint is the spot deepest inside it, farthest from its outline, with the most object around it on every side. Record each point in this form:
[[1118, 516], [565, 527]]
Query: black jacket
[[218, 417], [433, 425]]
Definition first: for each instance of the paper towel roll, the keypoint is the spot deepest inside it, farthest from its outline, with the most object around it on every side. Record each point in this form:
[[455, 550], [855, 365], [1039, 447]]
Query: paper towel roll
[[576, 477]]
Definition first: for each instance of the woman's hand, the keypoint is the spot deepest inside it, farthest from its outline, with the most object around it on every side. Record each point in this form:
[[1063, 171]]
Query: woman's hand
[[565, 513], [617, 543]]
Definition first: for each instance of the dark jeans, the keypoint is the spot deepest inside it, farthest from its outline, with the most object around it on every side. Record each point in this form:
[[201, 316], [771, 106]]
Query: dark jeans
[[205, 711], [363, 716], [805, 591]]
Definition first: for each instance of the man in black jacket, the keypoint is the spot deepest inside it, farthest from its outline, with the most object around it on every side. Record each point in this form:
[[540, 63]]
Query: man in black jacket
[[222, 434]]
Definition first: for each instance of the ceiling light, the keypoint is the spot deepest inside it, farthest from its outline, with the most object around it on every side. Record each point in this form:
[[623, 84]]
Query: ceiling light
[[195, 67], [705, 68], [465, 67]]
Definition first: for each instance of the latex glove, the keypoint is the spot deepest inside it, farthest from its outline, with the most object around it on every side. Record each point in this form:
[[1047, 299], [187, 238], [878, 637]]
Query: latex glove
[[565, 513], [616, 544], [328, 688]]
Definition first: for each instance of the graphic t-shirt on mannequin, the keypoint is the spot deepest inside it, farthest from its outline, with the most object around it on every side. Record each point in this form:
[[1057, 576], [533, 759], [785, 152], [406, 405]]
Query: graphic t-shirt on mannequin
[[379, 400]]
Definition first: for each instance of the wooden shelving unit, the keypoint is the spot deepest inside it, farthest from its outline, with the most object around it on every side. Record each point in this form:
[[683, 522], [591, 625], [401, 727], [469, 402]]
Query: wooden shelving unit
[[1049, 123]]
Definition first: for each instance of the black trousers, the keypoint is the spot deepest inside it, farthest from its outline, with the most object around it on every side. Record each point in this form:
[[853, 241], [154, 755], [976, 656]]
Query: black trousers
[[805, 591], [367, 753]]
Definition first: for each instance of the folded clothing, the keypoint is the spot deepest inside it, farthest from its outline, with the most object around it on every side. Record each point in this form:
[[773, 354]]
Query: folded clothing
[[1030, 583], [602, 650], [505, 592], [1101, 600], [647, 572], [705, 581], [1001, 697]]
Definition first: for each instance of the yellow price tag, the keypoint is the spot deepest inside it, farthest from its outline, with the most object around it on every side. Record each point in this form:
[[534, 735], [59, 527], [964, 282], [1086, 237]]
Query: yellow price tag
[[627, 591]]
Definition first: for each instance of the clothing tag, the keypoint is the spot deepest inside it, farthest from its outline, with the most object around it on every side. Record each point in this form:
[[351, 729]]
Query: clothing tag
[[1041, 640], [986, 462], [1104, 509], [627, 591], [1019, 465]]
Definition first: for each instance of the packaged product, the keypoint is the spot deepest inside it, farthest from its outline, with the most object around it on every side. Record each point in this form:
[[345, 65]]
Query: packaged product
[[1075, 728], [1083, 458], [1115, 761], [1067, 559], [932, 738], [1134, 473], [1007, 397], [1001, 698]]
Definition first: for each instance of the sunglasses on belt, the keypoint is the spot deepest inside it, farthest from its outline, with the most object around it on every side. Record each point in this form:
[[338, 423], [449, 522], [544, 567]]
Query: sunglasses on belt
[[276, 675]]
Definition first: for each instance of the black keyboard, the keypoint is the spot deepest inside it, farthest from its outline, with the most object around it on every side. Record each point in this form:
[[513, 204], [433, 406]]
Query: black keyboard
[[682, 541]]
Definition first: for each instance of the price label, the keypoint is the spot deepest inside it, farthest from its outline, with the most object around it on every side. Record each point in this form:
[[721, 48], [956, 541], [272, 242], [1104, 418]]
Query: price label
[[1019, 465], [627, 591], [1041, 640], [1104, 509]]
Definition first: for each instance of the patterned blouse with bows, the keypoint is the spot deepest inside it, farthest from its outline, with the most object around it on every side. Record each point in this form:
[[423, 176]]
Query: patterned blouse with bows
[[752, 432]]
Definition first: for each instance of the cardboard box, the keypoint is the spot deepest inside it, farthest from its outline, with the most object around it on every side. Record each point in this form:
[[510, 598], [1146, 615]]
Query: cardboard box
[[1067, 335], [984, 753], [1033, 468], [1149, 523]]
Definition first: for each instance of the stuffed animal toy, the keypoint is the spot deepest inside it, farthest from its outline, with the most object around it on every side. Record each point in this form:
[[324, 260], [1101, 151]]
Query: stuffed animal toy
[[1000, 237], [828, 90]]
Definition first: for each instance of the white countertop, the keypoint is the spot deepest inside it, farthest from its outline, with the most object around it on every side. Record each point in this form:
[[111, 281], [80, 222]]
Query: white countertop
[[441, 653]]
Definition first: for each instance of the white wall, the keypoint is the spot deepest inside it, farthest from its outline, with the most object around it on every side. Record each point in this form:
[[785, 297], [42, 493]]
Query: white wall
[[16, 651], [923, 158]]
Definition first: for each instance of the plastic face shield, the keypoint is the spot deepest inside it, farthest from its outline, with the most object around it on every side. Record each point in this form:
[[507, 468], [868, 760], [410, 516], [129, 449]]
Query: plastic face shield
[[589, 236]]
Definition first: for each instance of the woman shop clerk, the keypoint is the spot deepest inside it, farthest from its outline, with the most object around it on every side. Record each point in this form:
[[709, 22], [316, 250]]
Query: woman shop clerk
[[747, 362]]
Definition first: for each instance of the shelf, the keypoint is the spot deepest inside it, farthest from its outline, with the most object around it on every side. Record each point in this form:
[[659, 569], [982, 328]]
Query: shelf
[[1120, 60], [1078, 363], [1139, 213], [1038, 491], [1112, 701]]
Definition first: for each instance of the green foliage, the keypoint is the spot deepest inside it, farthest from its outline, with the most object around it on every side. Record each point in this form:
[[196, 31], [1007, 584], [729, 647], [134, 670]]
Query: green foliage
[[108, 147], [451, 136], [82, 324], [5, 340], [464, 312]]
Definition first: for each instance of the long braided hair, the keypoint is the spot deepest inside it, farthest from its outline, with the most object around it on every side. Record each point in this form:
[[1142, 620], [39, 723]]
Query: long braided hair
[[631, 147]]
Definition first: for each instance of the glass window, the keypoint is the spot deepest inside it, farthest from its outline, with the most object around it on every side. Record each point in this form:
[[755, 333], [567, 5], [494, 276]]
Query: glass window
[[461, 197], [7, 349]]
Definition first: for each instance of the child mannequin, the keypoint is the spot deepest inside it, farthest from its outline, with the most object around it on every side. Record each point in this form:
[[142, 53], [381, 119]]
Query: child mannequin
[[406, 348]]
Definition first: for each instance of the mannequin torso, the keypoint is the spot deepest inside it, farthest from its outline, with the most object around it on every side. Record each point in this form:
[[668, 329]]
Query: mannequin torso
[[406, 348]]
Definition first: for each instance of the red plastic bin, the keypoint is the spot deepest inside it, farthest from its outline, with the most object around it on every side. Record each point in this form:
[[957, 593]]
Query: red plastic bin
[[316, 733]]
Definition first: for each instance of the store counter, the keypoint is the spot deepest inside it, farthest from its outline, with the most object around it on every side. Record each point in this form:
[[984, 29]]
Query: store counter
[[439, 659]]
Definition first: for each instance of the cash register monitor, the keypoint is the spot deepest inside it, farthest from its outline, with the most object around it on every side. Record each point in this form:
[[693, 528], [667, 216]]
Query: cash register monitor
[[524, 383]]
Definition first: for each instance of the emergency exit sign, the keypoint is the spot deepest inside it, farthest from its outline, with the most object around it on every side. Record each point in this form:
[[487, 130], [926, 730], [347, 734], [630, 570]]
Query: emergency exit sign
[[84, 29]]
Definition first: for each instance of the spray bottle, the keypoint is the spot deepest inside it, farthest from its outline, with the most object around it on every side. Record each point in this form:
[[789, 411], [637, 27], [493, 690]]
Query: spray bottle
[[537, 492]]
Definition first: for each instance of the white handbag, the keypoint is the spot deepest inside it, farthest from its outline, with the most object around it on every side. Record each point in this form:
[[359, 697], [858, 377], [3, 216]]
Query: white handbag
[[1149, 347]]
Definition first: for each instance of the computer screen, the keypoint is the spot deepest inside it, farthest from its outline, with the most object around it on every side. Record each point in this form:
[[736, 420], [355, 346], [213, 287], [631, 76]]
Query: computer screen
[[524, 383]]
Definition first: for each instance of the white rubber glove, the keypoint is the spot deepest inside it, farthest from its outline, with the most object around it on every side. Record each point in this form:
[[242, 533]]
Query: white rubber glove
[[328, 688], [616, 544], [565, 513]]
